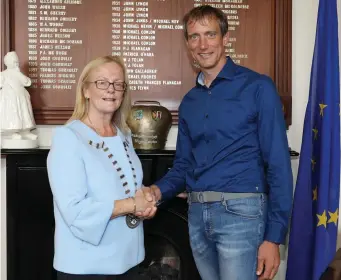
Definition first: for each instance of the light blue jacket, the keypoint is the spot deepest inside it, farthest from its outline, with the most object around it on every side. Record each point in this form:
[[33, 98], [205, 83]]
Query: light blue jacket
[[85, 185]]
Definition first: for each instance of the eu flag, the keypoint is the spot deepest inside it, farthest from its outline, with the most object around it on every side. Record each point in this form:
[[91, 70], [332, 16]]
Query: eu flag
[[313, 234]]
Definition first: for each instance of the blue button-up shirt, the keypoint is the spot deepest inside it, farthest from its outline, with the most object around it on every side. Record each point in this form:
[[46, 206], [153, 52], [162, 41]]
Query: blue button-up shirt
[[232, 138]]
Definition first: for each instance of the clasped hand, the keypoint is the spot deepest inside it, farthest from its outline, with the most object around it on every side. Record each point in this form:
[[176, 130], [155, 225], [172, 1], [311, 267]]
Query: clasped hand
[[145, 203], [145, 199], [151, 194]]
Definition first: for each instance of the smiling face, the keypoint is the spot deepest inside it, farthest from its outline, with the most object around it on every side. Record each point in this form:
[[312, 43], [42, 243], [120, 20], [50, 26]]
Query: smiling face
[[207, 44], [104, 101]]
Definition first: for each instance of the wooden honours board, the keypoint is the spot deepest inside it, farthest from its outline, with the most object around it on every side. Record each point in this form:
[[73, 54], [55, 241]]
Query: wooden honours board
[[54, 39]]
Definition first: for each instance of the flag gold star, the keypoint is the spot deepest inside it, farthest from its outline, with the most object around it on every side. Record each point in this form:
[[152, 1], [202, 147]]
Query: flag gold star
[[322, 106], [315, 193], [313, 162], [322, 219], [315, 133], [334, 216]]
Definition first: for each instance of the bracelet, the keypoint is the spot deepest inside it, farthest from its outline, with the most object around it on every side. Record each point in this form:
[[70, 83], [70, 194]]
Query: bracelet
[[133, 198]]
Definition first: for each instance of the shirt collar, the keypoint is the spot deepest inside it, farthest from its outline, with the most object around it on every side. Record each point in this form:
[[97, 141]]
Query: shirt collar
[[227, 72]]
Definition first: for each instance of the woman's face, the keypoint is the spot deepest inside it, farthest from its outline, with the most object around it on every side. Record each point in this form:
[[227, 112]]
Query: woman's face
[[105, 98]]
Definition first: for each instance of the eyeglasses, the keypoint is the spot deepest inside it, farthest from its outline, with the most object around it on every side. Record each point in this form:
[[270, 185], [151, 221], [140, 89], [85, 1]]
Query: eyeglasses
[[102, 84]]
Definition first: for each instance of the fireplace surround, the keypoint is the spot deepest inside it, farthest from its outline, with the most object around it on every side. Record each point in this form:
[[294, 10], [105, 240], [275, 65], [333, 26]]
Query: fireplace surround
[[30, 221]]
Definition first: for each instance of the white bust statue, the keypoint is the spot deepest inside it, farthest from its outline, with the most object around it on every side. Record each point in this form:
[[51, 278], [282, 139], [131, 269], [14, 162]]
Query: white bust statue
[[16, 115]]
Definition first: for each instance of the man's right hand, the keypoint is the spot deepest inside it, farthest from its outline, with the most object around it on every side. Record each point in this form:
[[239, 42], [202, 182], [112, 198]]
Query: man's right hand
[[151, 193], [155, 190], [143, 202]]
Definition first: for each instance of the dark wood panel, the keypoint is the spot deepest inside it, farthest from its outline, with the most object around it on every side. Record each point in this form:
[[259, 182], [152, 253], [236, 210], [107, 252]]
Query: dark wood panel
[[283, 52], [262, 32], [147, 166], [4, 30], [30, 223], [35, 224], [164, 164]]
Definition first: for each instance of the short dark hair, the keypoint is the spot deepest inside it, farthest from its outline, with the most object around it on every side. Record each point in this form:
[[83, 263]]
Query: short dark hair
[[206, 12]]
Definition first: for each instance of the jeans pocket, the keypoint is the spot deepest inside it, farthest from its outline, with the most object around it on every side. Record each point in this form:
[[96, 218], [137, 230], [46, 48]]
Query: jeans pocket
[[248, 208]]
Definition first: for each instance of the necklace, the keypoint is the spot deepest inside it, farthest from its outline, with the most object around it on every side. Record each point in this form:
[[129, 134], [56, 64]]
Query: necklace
[[131, 220]]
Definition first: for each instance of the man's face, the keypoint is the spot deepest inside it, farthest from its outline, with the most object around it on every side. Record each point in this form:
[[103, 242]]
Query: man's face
[[206, 43]]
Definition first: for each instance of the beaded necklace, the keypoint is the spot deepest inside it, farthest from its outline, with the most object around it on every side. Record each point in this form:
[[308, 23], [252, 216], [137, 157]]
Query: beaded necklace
[[131, 220]]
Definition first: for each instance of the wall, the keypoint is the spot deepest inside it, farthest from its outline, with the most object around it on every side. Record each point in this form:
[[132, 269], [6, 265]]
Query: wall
[[304, 25]]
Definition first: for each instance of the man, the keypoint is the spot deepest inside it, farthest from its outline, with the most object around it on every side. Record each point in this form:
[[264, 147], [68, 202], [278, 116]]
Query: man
[[233, 158]]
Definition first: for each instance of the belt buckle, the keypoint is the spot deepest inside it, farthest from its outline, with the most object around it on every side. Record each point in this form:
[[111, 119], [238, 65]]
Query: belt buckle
[[201, 197]]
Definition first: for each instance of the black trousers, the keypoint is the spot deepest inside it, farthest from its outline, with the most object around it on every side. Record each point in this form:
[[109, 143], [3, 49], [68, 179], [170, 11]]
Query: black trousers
[[131, 274]]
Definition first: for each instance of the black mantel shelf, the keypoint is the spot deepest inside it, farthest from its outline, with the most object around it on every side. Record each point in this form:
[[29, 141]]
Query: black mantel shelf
[[45, 150]]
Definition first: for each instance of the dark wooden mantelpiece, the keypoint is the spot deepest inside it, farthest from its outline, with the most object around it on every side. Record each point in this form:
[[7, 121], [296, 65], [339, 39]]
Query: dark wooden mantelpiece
[[30, 220]]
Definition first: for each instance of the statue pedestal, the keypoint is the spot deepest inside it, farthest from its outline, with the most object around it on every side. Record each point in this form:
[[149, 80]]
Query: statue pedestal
[[8, 143]]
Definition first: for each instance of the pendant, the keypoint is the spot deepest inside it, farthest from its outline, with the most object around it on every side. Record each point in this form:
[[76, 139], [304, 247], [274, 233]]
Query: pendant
[[132, 221]]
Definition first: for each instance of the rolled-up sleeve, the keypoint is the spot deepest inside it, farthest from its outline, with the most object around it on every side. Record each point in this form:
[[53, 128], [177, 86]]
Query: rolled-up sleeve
[[86, 217], [275, 154]]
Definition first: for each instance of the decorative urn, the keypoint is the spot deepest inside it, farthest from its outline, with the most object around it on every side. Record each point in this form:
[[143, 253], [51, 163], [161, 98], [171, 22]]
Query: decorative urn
[[149, 123]]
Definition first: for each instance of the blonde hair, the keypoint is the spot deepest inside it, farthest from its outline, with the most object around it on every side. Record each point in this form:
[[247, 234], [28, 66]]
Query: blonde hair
[[81, 110]]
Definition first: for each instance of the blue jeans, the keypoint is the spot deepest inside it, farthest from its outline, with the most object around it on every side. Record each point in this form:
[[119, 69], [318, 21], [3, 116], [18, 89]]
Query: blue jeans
[[225, 237]]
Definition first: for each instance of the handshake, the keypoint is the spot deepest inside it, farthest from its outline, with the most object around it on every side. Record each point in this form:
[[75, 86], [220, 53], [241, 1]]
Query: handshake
[[145, 201]]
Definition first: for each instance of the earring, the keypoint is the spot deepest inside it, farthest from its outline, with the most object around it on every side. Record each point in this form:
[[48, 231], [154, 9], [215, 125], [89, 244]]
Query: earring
[[196, 64]]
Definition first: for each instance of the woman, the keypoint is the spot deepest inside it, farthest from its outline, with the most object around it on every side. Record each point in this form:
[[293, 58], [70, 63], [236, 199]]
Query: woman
[[94, 175]]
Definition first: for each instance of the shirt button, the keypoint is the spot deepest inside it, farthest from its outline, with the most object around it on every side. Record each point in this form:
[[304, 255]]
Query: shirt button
[[209, 92], [206, 116]]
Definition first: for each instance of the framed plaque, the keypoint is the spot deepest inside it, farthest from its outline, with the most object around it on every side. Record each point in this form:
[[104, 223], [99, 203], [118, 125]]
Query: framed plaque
[[54, 40]]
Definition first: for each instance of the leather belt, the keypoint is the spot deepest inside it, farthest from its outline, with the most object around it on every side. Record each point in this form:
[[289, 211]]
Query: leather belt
[[209, 196]]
